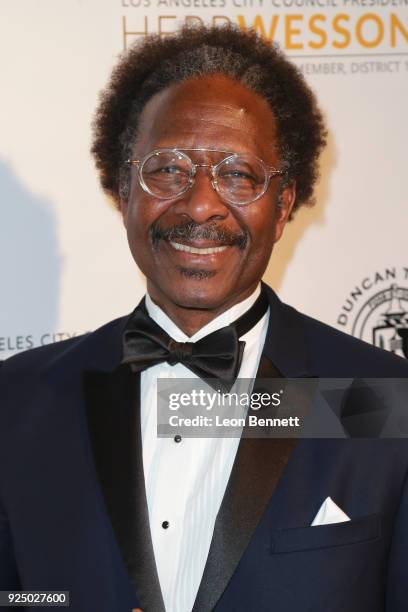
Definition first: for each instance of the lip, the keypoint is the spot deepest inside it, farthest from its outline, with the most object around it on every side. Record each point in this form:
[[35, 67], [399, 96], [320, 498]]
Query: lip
[[199, 243], [193, 249], [185, 257]]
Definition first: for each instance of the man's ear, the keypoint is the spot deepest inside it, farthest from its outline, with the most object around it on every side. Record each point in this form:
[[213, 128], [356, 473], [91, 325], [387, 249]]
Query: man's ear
[[284, 207]]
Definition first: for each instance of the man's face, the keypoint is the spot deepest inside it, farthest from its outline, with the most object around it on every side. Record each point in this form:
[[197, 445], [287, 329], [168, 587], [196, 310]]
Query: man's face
[[211, 113]]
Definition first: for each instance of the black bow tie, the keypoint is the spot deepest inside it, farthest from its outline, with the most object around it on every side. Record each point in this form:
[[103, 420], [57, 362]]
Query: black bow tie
[[216, 358]]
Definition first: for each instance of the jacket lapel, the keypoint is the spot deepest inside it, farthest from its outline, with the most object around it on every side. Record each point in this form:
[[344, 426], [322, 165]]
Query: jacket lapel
[[113, 416], [286, 344], [258, 466], [259, 463], [110, 394]]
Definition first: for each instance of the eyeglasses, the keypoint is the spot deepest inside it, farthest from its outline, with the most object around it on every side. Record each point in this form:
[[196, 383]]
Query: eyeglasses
[[238, 178]]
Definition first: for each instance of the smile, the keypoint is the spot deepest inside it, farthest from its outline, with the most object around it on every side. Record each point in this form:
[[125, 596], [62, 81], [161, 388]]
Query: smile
[[197, 251]]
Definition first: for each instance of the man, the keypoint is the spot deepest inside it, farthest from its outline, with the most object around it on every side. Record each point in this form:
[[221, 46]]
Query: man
[[207, 141]]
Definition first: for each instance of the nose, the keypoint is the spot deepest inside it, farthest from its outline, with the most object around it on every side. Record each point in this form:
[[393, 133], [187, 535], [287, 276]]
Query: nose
[[201, 202]]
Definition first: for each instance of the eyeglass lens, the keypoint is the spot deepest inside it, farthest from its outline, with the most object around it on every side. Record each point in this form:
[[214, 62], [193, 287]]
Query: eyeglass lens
[[238, 178]]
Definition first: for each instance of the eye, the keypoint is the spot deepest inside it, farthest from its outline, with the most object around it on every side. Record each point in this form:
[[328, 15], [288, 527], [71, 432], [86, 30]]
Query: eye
[[171, 170], [165, 165], [239, 174], [238, 177]]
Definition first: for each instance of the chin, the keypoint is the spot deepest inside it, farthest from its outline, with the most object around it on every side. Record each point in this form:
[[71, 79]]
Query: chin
[[197, 293]]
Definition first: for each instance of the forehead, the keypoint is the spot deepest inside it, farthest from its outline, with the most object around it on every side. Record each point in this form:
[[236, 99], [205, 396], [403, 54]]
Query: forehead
[[209, 112]]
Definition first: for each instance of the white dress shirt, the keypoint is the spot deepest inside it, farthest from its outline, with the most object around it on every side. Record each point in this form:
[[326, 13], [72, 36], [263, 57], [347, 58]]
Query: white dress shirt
[[186, 480]]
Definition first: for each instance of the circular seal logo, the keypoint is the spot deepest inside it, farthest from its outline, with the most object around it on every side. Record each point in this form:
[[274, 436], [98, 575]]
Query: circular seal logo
[[377, 311]]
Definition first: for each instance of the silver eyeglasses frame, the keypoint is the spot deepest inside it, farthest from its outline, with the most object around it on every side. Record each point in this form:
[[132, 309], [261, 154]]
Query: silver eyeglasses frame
[[270, 172]]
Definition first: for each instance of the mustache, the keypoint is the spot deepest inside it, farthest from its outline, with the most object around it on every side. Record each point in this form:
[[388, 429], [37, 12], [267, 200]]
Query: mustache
[[191, 231]]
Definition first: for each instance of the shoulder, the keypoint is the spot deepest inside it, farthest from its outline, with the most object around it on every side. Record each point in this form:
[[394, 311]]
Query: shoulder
[[331, 347], [102, 344], [325, 351]]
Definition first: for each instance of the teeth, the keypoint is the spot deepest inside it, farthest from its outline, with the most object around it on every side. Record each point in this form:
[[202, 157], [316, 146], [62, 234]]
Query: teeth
[[195, 251]]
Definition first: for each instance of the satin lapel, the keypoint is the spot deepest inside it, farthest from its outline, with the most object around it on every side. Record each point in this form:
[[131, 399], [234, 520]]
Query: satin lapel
[[286, 344], [113, 416], [258, 466]]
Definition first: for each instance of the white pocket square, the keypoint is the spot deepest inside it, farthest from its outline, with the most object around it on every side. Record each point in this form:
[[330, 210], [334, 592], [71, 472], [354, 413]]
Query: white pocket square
[[329, 513]]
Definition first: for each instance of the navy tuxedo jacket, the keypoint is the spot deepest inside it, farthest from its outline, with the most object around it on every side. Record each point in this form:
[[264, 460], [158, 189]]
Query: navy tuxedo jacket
[[73, 513]]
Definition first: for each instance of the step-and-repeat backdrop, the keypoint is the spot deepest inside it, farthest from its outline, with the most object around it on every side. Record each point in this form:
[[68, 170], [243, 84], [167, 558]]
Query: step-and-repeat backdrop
[[64, 261]]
